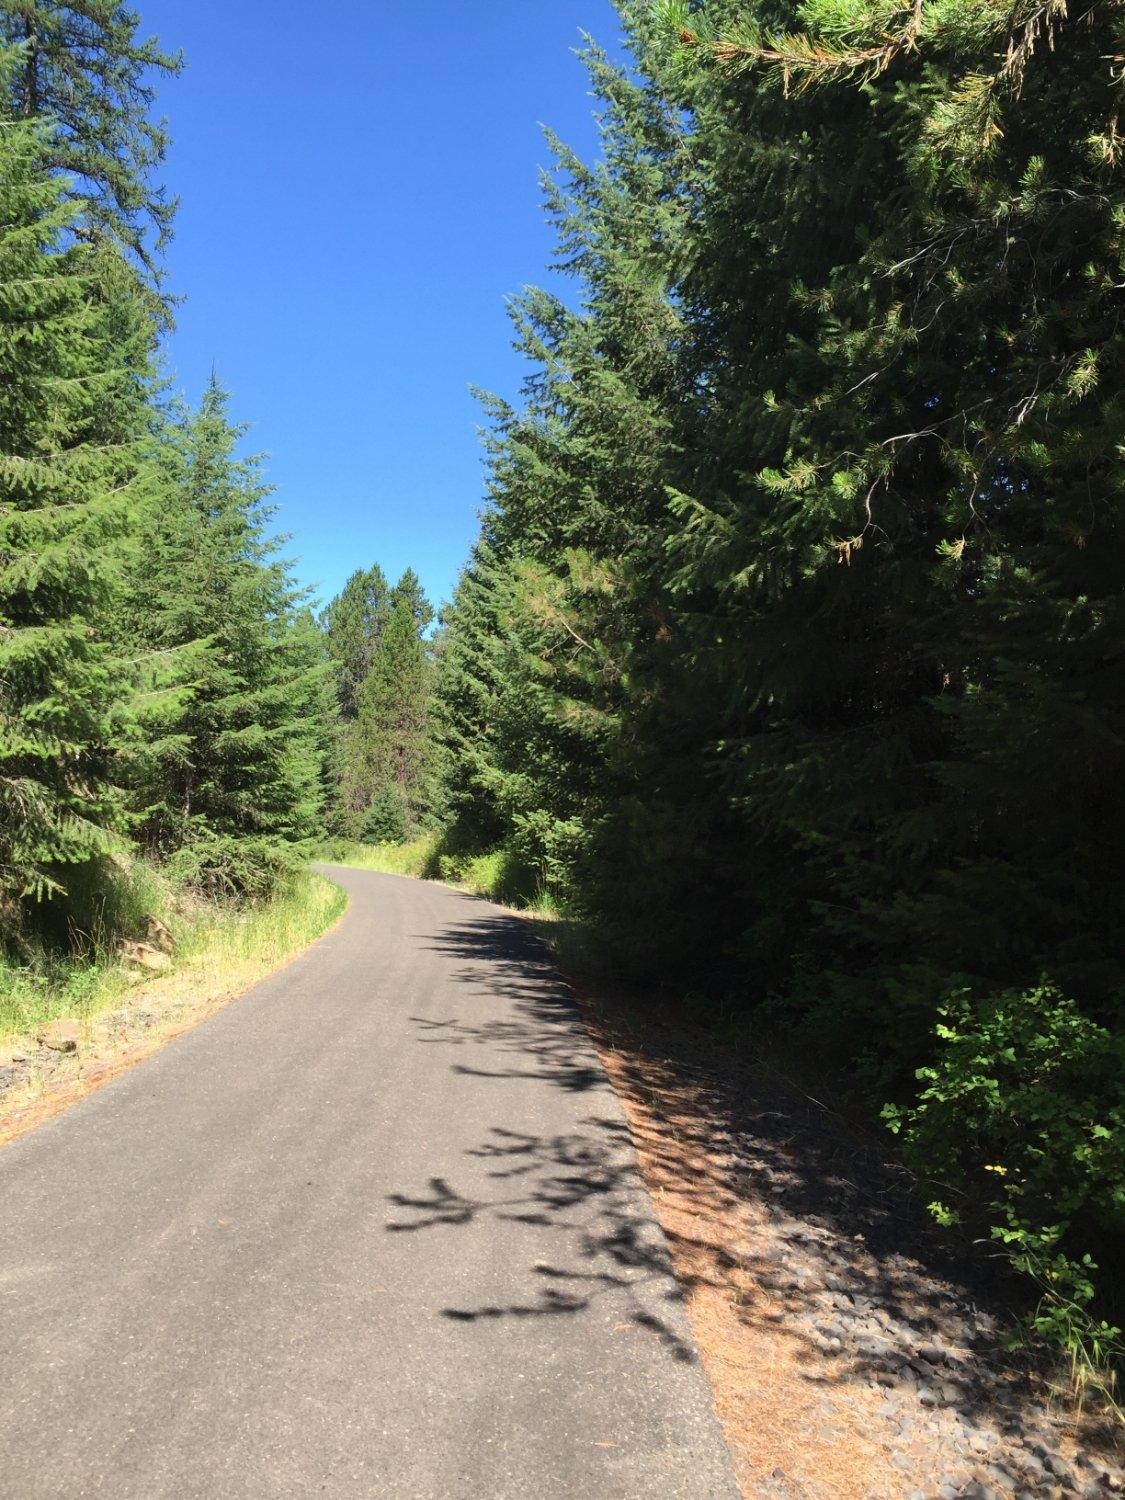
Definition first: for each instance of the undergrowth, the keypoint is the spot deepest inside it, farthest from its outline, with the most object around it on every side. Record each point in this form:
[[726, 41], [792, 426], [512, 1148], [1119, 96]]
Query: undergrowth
[[76, 971], [497, 874]]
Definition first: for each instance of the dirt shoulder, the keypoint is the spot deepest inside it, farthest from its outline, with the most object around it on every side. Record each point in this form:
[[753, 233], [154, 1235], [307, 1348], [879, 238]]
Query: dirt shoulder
[[855, 1349]]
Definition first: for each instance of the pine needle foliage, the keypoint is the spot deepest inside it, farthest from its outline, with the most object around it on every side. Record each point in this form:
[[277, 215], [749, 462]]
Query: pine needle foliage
[[226, 779], [65, 477], [84, 68], [375, 636]]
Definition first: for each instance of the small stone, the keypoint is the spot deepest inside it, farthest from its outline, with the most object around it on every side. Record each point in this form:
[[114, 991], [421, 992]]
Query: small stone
[[1000, 1476], [158, 934], [1059, 1468], [60, 1036], [901, 1461]]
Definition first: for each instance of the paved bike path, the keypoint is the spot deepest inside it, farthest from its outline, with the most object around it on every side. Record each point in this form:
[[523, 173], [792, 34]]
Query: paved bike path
[[375, 1229]]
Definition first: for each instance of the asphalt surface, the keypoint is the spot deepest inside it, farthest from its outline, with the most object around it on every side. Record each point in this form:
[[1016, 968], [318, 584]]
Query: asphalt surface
[[375, 1229]]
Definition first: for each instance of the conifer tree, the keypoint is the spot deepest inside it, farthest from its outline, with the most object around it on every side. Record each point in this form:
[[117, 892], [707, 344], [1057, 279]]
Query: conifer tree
[[572, 561], [792, 647], [353, 625], [65, 474], [229, 779], [83, 67], [374, 636], [393, 708]]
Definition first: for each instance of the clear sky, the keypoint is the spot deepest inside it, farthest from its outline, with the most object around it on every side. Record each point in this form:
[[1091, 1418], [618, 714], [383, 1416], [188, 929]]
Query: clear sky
[[359, 186]]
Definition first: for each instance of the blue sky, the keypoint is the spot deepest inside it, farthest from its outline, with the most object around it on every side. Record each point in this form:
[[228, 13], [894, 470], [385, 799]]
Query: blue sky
[[359, 186]]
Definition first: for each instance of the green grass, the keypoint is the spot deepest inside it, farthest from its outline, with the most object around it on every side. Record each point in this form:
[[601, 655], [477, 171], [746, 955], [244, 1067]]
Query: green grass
[[217, 949], [417, 859], [497, 874]]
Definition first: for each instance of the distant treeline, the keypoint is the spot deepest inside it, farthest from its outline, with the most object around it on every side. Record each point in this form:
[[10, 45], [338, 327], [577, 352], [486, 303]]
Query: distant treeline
[[791, 656]]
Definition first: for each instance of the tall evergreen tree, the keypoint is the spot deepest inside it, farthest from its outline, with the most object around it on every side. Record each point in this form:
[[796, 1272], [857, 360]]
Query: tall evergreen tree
[[353, 626], [374, 635], [228, 779], [575, 537], [393, 707], [801, 575], [83, 67], [64, 482]]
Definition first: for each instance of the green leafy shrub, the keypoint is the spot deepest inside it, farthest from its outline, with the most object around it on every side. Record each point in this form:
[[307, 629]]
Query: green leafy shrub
[[1023, 1110]]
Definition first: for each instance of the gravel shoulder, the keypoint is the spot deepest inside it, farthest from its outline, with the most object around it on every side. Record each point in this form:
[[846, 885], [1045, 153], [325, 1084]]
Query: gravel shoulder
[[855, 1349]]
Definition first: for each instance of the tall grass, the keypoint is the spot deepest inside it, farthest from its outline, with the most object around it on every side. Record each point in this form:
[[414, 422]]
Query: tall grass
[[231, 949], [216, 948], [417, 859], [498, 874]]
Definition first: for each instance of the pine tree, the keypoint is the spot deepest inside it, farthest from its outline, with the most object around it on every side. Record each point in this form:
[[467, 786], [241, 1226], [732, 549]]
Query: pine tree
[[353, 625], [471, 666], [228, 779], [570, 576], [792, 649], [374, 635], [83, 68], [65, 473], [393, 709]]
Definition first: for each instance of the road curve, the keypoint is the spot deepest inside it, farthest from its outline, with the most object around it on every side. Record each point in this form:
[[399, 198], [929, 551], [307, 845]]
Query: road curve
[[373, 1230]]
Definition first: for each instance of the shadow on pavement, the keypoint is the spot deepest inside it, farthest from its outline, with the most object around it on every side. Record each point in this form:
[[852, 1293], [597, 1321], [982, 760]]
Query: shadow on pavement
[[823, 1232], [583, 1184]]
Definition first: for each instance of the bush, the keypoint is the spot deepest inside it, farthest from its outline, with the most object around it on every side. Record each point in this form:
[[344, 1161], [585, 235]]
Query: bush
[[1023, 1111], [224, 868]]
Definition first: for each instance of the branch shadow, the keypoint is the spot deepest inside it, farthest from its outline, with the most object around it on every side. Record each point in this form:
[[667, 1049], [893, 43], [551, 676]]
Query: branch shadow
[[828, 1235], [583, 1185]]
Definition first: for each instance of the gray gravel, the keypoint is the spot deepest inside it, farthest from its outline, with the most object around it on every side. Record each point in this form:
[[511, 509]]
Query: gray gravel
[[373, 1230]]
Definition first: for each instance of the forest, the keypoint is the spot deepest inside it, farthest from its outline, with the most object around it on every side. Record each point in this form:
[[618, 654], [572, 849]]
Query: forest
[[789, 663]]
